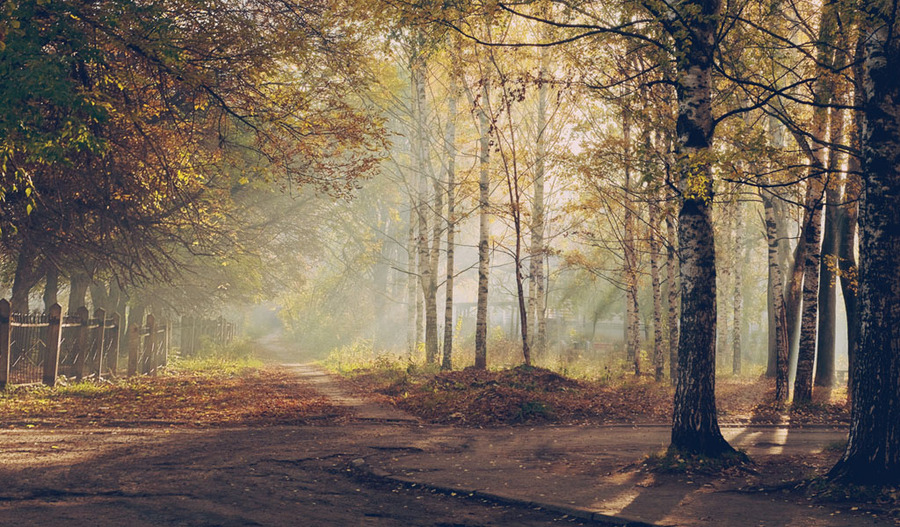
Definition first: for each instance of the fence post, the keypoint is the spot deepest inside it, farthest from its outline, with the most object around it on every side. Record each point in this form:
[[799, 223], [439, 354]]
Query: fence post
[[4, 343], [149, 345], [114, 346], [133, 342], [81, 341], [97, 351], [51, 361]]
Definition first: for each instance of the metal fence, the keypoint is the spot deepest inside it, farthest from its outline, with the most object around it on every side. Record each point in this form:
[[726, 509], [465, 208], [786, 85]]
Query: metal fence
[[40, 348], [27, 345], [194, 331]]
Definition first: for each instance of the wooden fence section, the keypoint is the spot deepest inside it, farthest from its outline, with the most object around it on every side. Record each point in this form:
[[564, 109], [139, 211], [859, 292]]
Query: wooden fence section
[[40, 348], [195, 330]]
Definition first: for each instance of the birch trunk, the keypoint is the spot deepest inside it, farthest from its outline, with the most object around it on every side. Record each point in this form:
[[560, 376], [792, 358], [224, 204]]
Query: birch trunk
[[421, 158], [777, 307], [812, 238], [873, 449], [849, 220], [450, 154], [536, 286], [695, 426], [672, 271], [632, 320], [412, 319], [484, 190], [738, 298], [806, 352], [659, 357], [726, 261], [830, 248]]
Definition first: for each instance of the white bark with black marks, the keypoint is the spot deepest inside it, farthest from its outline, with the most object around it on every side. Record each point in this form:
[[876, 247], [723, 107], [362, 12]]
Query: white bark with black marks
[[873, 450]]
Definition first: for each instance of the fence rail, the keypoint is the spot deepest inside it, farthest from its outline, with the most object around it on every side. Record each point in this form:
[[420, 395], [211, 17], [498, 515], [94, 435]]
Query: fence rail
[[40, 348], [195, 330]]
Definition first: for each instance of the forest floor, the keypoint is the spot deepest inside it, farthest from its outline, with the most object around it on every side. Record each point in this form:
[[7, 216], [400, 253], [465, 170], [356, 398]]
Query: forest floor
[[292, 445]]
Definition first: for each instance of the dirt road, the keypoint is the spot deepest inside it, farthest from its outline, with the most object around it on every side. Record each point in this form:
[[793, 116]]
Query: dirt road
[[273, 476], [380, 467]]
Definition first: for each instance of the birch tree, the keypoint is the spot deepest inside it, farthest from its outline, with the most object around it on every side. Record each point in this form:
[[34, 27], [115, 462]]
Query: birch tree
[[873, 449]]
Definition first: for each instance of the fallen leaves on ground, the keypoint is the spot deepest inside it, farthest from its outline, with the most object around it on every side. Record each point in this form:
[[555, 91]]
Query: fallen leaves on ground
[[259, 396], [517, 395], [534, 395]]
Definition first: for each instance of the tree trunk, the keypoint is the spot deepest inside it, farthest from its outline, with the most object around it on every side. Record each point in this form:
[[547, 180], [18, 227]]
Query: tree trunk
[[770, 323], [412, 318], [121, 307], [78, 287], [381, 336], [484, 190], [672, 272], [738, 303], [777, 307], [450, 154], [427, 271], [536, 286], [51, 287], [806, 353], [873, 449], [850, 214], [824, 92], [99, 295], [724, 263], [659, 357], [136, 315], [780, 237], [695, 426], [830, 249], [26, 276], [632, 319]]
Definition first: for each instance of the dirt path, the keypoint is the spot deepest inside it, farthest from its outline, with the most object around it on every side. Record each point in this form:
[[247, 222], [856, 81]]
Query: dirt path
[[361, 409], [578, 470], [231, 477], [382, 467]]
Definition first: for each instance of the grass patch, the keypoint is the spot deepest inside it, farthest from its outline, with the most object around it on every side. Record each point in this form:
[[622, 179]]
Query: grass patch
[[360, 357], [214, 364], [232, 359], [82, 389]]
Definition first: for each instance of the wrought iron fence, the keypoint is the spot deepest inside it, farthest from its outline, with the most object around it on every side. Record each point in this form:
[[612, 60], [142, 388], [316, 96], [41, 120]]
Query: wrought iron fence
[[40, 348]]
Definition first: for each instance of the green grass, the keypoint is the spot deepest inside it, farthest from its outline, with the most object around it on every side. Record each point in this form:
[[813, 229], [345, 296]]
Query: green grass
[[215, 364], [360, 355], [84, 389], [229, 360]]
